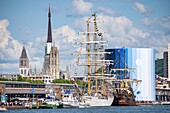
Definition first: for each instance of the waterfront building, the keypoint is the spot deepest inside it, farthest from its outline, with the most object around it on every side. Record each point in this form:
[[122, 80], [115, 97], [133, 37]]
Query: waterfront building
[[165, 62], [9, 76], [142, 65], [29, 91], [162, 88], [25, 91]]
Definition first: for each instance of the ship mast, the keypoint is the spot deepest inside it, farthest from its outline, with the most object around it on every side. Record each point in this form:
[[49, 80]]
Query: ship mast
[[92, 53], [88, 56], [102, 58], [95, 50]]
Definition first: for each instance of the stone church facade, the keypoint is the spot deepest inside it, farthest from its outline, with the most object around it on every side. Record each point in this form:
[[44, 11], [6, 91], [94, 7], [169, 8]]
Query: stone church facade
[[51, 68]]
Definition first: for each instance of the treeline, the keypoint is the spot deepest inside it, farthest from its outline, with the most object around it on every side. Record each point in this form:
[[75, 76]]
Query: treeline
[[62, 81], [22, 79], [79, 82]]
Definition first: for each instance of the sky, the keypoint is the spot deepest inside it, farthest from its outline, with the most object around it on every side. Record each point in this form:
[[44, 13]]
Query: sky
[[127, 23]]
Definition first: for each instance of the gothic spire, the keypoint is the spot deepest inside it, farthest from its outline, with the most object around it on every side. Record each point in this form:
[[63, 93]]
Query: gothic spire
[[49, 36], [23, 54]]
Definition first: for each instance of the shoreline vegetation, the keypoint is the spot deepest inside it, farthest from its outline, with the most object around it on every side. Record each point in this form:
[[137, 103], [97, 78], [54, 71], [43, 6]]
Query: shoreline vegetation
[[22, 79]]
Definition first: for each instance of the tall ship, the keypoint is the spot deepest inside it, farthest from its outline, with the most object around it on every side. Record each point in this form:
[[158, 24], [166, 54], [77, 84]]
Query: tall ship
[[124, 87], [99, 92]]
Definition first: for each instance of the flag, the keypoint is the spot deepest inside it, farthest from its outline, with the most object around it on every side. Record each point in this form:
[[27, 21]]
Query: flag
[[3, 99], [94, 14], [138, 92], [67, 92], [32, 90]]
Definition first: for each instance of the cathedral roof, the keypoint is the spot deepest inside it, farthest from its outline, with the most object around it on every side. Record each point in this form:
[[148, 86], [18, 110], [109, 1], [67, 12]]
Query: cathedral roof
[[23, 54]]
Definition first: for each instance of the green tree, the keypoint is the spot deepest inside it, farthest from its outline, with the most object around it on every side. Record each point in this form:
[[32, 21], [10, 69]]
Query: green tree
[[159, 67]]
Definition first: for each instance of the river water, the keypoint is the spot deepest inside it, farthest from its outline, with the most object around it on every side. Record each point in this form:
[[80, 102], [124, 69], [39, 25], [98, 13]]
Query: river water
[[112, 109]]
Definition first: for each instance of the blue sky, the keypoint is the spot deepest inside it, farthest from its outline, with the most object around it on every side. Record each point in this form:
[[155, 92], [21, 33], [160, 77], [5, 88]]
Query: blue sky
[[129, 23]]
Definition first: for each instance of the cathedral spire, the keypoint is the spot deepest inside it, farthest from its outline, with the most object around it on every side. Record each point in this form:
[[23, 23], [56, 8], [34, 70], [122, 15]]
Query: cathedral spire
[[49, 36], [23, 54]]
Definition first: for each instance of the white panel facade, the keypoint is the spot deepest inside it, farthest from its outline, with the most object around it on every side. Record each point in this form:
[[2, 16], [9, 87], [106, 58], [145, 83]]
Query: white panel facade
[[144, 63]]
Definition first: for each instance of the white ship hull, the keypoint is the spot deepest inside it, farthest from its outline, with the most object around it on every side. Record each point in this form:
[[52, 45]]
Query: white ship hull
[[70, 105], [3, 109], [84, 105], [95, 101], [165, 103]]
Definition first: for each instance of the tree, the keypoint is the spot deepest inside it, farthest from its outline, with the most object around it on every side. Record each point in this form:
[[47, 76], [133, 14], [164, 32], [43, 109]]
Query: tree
[[159, 67]]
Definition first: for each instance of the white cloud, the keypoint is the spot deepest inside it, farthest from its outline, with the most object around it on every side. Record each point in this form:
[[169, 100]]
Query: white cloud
[[159, 33], [163, 22], [82, 7], [9, 47], [157, 22], [146, 21], [141, 8], [106, 10], [121, 31], [64, 37]]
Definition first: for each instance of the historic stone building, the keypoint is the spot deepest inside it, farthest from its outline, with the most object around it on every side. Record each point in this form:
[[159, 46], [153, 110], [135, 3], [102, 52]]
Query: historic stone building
[[65, 74], [51, 58], [24, 63]]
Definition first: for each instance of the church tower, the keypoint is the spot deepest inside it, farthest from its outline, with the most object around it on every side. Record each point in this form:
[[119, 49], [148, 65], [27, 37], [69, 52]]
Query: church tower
[[24, 63], [54, 62], [51, 58]]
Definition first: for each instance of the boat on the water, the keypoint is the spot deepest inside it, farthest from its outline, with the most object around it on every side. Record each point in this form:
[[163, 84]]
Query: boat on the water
[[69, 101], [3, 109], [165, 103], [95, 66], [98, 101], [84, 105], [156, 103], [47, 106], [59, 104]]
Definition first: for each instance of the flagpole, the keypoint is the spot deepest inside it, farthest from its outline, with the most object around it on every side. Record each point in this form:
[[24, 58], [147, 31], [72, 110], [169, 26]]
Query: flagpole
[[32, 91], [33, 97]]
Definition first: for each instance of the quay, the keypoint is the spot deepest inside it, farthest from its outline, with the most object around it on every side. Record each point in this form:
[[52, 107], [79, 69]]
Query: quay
[[16, 107], [20, 95]]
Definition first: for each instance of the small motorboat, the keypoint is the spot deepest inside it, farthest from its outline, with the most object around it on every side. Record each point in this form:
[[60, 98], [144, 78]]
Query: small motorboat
[[3, 109]]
